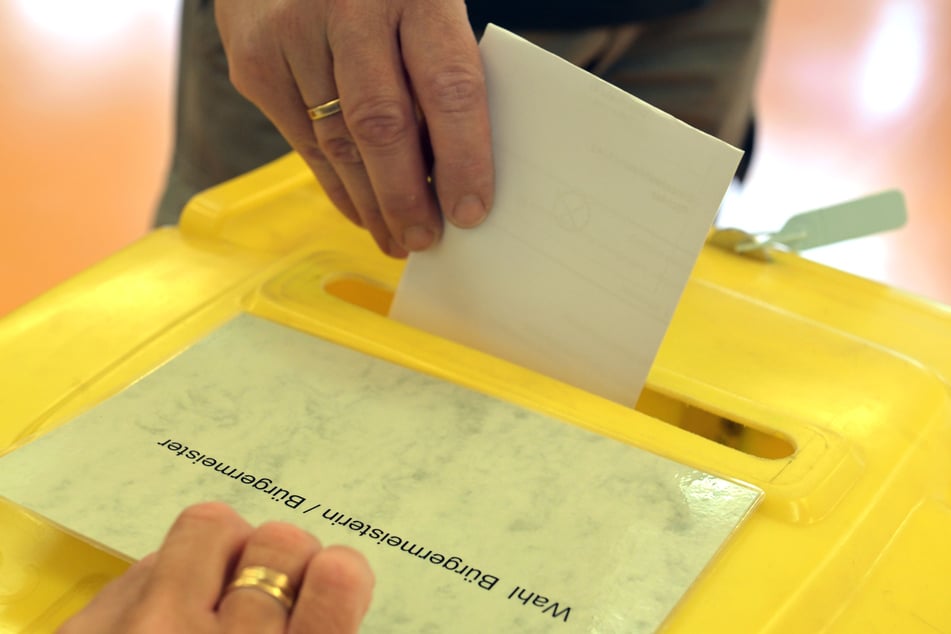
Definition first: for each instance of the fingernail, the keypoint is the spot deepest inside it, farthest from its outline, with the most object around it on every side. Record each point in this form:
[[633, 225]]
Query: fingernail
[[418, 238], [468, 212]]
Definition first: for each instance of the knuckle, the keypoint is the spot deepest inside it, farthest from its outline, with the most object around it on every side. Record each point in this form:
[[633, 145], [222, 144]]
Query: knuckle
[[402, 207], [312, 154], [342, 569], [456, 88], [470, 175], [247, 71], [469, 166], [287, 19], [206, 513], [251, 52], [380, 123], [281, 535], [340, 149], [150, 615]]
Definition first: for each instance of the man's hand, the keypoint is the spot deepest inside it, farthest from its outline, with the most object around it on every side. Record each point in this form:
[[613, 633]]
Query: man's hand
[[410, 82]]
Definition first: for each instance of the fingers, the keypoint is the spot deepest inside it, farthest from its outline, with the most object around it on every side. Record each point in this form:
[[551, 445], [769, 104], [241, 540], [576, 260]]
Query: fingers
[[198, 554], [185, 585], [387, 63], [329, 155], [380, 114], [337, 160], [335, 594], [443, 63], [256, 38], [430, 43], [282, 548]]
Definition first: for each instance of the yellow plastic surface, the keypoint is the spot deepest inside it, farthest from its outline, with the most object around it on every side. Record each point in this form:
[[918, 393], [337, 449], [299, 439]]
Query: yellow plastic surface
[[827, 391]]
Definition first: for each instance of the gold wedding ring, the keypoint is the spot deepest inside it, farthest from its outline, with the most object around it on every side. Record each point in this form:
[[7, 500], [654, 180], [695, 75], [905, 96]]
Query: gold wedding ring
[[271, 582], [324, 110]]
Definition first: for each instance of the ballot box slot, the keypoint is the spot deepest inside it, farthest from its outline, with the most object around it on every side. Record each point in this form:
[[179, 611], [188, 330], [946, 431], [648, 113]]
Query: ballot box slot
[[719, 428], [724, 430]]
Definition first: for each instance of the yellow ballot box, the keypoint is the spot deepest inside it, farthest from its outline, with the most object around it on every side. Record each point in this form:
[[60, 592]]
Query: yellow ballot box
[[827, 392]]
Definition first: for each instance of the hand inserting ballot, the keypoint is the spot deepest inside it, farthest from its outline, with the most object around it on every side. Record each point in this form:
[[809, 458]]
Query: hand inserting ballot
[[376, 97]]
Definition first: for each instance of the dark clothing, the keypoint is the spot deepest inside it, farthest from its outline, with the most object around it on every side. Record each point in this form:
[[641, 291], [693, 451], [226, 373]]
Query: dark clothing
[[565, 14], [570, 14]]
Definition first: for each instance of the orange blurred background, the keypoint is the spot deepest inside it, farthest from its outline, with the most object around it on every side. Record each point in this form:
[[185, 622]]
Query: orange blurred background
[[853, 99]]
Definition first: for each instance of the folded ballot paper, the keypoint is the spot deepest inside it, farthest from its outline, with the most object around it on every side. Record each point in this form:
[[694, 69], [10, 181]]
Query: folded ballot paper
[[476, 515]]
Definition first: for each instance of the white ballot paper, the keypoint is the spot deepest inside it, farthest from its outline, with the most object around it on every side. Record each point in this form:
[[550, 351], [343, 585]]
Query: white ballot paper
[[602, 204]]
